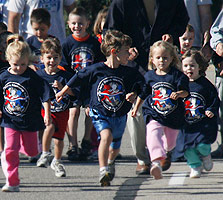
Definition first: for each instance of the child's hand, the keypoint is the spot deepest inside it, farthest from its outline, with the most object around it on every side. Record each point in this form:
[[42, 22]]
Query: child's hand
[[219, 49], [47, 120], [33, 67], [0, 114], [131, 97], [133, 53], [167, 38], [59, 96], [87, 111], [57, 85], [174, 95], [209, 114], [134, 112]]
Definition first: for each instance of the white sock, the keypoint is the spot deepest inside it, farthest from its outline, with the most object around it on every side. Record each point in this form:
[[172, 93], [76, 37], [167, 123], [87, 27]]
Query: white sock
[[103, 168], [110, 161]]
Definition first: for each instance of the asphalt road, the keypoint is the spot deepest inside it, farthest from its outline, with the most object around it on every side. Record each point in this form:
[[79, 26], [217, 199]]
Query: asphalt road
[[82, 181]]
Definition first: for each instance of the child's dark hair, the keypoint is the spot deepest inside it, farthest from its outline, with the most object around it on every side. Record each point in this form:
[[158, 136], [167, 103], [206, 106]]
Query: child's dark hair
[[3, 26], [189, 28], [40, 16], [4, 35], [79, 11], [199, 58], [51, 44], [100, 17], [114, 39]]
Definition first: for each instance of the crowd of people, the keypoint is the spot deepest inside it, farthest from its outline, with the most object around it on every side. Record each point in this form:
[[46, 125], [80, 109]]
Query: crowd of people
[[143, 68]]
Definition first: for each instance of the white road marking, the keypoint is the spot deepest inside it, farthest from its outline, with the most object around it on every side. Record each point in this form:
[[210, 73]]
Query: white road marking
[[178, 178]]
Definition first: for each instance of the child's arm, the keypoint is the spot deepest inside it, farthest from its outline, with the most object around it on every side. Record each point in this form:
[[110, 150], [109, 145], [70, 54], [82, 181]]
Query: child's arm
[[47, 116], [179, 94], [65, 90], [139, 102]]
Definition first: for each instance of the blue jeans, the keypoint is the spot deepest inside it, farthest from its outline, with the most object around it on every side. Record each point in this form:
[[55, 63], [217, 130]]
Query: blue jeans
[[115, 124]]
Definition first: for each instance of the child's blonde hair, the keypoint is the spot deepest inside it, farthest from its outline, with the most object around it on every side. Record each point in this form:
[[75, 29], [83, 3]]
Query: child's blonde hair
[[114, 39], [199, 58], [168, 47], [100, 17], [18, 47]]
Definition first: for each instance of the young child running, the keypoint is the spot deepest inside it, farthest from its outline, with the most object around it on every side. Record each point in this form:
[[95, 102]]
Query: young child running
[[51, 56], [163, 109], [112, 87], [79, 50], [22, 94], [201, 114]]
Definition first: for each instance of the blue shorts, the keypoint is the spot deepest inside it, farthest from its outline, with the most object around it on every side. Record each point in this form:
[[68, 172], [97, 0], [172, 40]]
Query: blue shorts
[[115, 124]]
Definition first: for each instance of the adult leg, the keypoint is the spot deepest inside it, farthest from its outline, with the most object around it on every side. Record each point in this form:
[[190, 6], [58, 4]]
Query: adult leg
[[137, 131]]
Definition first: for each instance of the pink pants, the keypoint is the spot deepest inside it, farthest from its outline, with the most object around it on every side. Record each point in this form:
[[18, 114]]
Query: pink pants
[[17, 141], [160, 139]]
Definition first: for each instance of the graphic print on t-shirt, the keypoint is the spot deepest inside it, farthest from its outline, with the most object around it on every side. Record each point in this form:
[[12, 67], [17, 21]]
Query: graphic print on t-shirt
[[59, 106], [111, 93], [81, 57], [194, 107], [16, 98], [161, 101], [50, 5]]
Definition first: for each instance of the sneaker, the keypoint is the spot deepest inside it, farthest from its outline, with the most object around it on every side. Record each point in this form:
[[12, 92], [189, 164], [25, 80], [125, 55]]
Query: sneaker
[[156, 171], [86, 149], [207, 163], [73, 153], [44, 160], [58, 168], [111, 169], [7, 188], [195, 172], [104, 178], [34, 159], [218, 153], [93, 156]]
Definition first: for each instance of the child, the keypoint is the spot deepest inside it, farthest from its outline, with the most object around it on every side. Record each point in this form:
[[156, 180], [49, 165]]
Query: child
[[201, 114], [51, 56], [187, 39], [112, 88], [40, 22], [79, 50], [163, 107], [3, 66], [186, 42], [99, 23], [22, 91]]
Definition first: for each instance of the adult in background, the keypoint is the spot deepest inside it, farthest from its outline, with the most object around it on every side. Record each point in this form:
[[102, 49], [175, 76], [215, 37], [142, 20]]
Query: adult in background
[[146, 21], [20, 12]]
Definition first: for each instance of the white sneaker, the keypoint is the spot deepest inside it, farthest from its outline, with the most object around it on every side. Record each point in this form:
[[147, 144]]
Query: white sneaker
[[195, 172], [43, 161], [7, 188], [156, 171], [58, 168], [207, 163]]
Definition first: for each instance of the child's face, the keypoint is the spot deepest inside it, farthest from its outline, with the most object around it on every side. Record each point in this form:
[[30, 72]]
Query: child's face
[[191, 68], [161, 59], [123, 55], [18, 64], [78, 25], [40, 30], [186, 41], [51, 61]]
